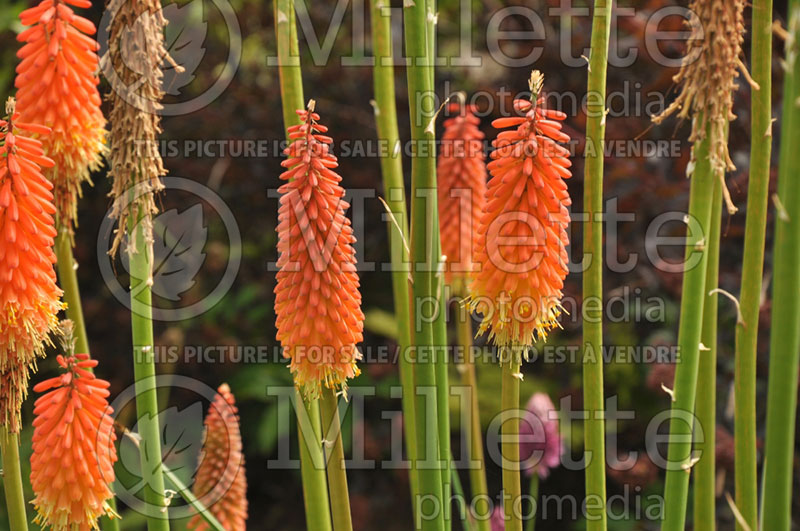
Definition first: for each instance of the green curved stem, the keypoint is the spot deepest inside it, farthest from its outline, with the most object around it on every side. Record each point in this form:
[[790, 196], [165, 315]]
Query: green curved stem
[[785, 327], [509, 444], [746, 474], [679, 455], [144, 371], [594, 431], [479, 488], [337, 475], [706, 408], [12, 480], [397, 225], [424, 260]]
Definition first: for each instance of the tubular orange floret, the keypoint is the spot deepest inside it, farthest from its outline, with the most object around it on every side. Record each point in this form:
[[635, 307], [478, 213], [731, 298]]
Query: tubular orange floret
[[462, 192], [317, 300], [29, 297], [220, 482], [57, 86], [73, 457], [522, 233]]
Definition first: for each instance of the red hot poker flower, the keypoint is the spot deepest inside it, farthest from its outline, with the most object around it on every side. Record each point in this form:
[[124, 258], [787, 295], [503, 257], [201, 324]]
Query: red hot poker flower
[[522, 234], [29, 296], [220, 482], [317, 300], [57, 87], [73, 457], [462, 192]]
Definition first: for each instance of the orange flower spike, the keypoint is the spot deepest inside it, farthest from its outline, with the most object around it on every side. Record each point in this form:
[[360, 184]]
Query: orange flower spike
[[57, 86], [29, 296], [220, 482], [462, 192], [72, 466], [522, 235], [317, 298]]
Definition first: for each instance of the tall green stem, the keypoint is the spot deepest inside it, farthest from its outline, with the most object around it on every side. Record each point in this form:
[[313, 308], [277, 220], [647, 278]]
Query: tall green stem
[[144, 372], [68, 279], [785, 326], [424, 259], [12, 481], [479, 489], [533, 492], [440, 323], [705, 409], [509, 443], [689, 336], [752, 268], [594, 431], [337, 475], [315, 492], [394, 190]]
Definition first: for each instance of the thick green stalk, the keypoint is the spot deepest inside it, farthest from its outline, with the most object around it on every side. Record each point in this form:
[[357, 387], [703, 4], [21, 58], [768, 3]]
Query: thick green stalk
[[746, 477], [594, 431], [144, 372], [533, 492], [785, 326], [463, 510], [440, 324], [68, 279], [337, 475], [706, 407], [509, 443], [679, 454], [289, 72], [423, 259], [315, 492], [443, 387], [12, 481], [477, 475], [394, 190]]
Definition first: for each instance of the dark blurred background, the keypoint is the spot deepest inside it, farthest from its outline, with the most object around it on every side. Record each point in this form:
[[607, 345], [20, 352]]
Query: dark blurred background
[[250, 109]]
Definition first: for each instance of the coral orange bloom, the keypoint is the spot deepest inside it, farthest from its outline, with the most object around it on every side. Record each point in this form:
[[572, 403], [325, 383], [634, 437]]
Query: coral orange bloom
[[317, 300], [29, 297], [57, 87], [220, 483], [462, 192], [522, 236], [73, 457]]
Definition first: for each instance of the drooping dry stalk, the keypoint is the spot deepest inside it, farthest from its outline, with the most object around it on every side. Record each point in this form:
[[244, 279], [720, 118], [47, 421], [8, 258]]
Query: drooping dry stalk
[[132, 65], [707, 79]]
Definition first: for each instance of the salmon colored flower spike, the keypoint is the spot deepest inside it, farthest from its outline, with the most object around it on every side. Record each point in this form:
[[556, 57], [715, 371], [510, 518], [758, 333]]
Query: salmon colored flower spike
[[461, 173], [317, 298], [522, 235], [72, 466], [29, 296], [57, 86], [220, 483]]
